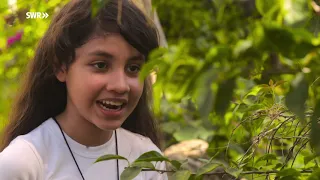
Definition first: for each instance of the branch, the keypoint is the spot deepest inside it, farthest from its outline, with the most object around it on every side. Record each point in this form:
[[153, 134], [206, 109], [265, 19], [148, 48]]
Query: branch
[[221, 173], [300, 137]]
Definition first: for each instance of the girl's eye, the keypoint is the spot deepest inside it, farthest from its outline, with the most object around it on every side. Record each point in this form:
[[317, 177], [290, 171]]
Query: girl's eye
[[100, 65], [134, 68]]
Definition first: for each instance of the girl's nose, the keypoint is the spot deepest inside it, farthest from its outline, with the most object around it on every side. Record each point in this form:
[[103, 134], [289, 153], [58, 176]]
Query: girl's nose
[[118, 83]]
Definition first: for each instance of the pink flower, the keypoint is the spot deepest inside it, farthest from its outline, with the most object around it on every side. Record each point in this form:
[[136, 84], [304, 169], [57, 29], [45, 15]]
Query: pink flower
[[17, 37]]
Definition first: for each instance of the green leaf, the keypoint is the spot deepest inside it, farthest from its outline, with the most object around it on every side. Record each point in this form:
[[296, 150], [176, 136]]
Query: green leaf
[[271, 82], [289, 178], [241, 47], [307, 159], [288, 172], [204, 94], [315, 128], [110, 157], [143, 164], [297, 96], [95, 5], [207, 168], [190, 132], [94, 8], [296, 11], [151, 156], [217, 53], [315, 175], [224, 96], [281, 39], [264, 6], [267, 157], [176, 164], [181, 175], [234, 172], [130, 173]]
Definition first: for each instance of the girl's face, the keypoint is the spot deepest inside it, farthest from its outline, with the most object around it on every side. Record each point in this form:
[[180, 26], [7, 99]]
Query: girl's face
[[102, 83]]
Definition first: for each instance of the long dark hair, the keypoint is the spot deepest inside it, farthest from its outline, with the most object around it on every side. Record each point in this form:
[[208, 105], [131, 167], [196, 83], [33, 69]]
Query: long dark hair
[[42, 96]]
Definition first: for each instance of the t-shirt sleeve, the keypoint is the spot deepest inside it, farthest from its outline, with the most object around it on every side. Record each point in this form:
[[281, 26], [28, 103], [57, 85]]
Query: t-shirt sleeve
[[20, 161]]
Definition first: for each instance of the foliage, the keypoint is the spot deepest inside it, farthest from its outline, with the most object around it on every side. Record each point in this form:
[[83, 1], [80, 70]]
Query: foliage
[[242, 75]]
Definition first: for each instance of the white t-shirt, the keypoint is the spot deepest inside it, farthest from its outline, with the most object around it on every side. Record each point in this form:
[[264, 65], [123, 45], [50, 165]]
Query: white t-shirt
[[43, 154]]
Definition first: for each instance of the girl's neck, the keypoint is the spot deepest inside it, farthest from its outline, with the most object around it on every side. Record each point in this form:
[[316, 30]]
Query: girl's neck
[[82, 131]]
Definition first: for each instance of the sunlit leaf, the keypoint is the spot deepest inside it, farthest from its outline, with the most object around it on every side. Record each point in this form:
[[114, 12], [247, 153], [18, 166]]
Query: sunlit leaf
[[296, 11]]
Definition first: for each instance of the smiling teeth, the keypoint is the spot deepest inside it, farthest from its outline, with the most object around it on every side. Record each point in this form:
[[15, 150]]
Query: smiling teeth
[[112, 103]]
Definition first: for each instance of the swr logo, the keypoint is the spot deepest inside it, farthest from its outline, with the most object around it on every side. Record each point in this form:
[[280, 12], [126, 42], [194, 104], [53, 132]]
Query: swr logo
[[37, 15]]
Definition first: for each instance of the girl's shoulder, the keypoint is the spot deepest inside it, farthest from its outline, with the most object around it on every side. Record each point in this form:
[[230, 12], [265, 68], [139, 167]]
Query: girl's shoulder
[[19, 160], [34, 143]]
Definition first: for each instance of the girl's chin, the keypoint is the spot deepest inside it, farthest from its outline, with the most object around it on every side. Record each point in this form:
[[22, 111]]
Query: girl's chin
[[109, 125]]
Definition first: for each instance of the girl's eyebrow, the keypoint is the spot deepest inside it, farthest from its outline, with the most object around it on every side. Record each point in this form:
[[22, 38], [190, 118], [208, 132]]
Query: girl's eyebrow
[[107, 55], [102, 54], [139, 57]]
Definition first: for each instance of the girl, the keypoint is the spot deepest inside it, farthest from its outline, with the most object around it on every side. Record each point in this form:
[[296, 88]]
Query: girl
[[82, 98]]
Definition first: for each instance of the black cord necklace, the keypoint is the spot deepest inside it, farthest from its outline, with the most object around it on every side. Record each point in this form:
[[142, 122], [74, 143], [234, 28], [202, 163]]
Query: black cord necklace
[[115, 133]]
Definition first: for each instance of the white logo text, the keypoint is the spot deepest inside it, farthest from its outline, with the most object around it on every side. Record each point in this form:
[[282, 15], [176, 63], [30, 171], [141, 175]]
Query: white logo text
[[37, 15]]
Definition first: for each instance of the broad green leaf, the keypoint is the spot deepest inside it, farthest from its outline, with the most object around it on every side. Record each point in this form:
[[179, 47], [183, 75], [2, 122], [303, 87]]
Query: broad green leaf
[[224, 96], [181, 175], [288, 172], [267, 157], [143, 164], [207, 168], [130, 173], [151, 156], [110, 157], [297, 96], [315, 128]]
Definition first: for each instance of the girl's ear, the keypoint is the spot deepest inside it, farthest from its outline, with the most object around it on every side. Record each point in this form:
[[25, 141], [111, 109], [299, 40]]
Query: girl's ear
[[62, 74]]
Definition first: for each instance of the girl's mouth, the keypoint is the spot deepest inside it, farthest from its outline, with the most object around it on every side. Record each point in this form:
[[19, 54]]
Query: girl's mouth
[[110, 106]]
